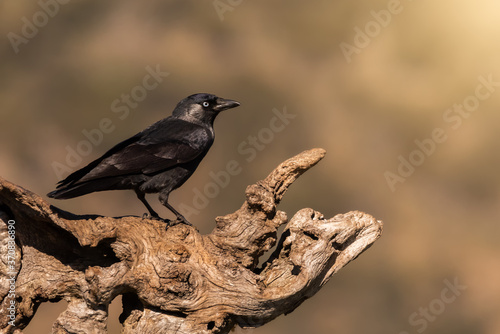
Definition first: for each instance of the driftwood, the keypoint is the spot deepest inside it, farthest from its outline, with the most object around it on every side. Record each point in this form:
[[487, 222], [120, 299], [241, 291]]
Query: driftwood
[[174, 280]]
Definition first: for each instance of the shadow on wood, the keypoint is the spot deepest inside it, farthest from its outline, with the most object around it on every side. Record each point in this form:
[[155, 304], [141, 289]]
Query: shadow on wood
[[174, 280]]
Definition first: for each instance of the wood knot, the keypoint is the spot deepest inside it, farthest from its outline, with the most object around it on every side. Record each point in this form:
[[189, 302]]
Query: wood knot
[[259, 197]]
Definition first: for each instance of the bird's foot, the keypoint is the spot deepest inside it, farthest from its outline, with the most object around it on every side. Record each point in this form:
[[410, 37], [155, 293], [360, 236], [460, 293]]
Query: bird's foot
[[150, 216], [168, 222], [177, 221], [182, 220]]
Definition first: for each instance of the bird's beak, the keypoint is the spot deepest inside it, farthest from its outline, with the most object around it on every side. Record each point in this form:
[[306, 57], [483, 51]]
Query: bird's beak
[[223, 104]]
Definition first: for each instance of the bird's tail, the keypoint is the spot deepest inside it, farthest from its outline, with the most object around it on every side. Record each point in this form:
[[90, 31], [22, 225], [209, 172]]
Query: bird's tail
[[79, 189]]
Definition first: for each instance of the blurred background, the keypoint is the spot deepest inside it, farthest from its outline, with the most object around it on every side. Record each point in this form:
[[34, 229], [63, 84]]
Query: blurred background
[[370, 81]]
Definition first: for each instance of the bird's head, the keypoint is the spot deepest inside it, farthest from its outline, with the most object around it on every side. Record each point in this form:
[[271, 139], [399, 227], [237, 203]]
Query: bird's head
[[202, 107]]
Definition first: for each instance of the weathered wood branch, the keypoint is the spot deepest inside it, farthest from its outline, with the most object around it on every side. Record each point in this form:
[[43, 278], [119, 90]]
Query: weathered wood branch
[[174, 280]]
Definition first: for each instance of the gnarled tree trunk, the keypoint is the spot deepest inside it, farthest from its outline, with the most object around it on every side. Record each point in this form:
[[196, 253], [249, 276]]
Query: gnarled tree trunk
[[172, 280]]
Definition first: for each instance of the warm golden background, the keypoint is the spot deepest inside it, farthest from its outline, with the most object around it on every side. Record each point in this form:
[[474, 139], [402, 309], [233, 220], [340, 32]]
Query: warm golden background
[[441, 224]]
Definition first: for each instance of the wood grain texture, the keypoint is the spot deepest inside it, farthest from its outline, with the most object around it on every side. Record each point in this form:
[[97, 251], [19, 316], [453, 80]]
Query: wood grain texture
[[175, 280]]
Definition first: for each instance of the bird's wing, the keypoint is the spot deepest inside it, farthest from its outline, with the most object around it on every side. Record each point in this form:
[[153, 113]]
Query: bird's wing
[[163, 145]]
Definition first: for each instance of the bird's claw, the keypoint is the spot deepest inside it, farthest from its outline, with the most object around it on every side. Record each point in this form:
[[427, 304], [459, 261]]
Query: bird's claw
[[168, 222], [179, 221], [150, 216], [182, 220]]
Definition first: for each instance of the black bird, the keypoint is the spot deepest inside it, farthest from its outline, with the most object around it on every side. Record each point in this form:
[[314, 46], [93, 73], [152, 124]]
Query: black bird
[[158, 159]]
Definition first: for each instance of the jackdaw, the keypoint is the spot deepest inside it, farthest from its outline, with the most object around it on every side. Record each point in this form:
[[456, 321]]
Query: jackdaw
[[158, 159]]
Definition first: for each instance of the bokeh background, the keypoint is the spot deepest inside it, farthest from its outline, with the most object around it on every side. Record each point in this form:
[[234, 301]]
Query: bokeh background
[[366, 107]]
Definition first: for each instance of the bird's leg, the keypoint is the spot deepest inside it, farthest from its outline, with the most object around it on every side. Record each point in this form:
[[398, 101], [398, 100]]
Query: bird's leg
[[180, 218], [142, 197]]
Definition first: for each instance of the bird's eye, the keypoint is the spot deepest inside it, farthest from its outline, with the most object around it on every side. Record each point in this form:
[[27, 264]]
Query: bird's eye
[[205, 104]]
